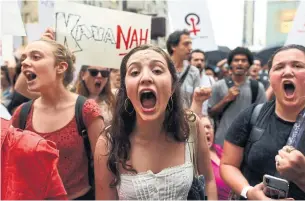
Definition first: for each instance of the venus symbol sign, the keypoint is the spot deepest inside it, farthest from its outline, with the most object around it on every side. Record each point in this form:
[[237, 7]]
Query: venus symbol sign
[[193, 20]]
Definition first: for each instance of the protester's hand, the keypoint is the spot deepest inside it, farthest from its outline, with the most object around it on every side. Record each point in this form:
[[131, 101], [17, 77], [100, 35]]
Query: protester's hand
[[290, 164], [232, 94], [257, 193], [49, 33], [202, 94]]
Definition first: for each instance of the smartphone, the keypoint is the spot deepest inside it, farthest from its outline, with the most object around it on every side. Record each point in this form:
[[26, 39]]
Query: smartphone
[[275, 187]]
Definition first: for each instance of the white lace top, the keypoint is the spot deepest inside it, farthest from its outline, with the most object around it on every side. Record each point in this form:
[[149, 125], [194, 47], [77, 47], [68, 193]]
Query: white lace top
[[171, 183]]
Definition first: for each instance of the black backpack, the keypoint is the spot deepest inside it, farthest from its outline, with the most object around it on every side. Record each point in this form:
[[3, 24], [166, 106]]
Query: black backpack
[[82, 130]]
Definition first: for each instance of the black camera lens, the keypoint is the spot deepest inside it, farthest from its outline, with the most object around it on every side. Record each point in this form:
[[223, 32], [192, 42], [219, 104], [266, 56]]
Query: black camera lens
[[267, 180]]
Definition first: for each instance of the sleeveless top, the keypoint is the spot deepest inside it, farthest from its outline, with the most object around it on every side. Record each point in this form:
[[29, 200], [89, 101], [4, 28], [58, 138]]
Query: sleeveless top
[[73, 161], [171, 183]]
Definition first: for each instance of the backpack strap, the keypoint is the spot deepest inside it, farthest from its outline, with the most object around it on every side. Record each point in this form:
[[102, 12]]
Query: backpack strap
[[258, 118], [82, 131], [257, 128], [255, 114], [182, 78], [24, 112], [230, 84], [254, 90]]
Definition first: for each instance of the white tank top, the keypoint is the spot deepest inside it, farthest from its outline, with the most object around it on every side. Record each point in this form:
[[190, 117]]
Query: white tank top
[[171, 183]]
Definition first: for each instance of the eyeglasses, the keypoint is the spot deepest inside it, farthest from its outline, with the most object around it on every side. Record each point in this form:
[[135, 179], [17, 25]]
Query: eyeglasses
[[95, 72]]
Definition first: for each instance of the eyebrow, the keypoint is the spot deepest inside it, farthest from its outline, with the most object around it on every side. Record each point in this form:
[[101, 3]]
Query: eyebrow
[[134, 63], [139, 64], [293, 62], [156, 61], [32, 52]]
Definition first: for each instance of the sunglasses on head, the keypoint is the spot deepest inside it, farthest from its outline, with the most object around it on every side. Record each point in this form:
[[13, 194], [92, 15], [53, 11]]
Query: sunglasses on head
[[95, 72]]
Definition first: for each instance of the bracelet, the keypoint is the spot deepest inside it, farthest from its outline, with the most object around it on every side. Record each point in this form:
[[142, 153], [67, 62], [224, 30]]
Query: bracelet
[[245, 191]]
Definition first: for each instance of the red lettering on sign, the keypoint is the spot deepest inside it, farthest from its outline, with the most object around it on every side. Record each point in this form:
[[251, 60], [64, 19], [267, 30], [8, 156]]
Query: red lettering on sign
[[143, 38], [134, 38], [119, 35]]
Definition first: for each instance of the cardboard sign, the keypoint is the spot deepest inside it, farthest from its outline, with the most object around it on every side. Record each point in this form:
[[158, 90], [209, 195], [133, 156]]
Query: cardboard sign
[[194, 16], [297, 33], [99, 36], [11, 21]]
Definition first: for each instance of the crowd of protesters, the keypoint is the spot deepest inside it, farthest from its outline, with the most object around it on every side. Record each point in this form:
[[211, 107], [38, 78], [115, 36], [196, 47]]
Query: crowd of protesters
[[127, 133]]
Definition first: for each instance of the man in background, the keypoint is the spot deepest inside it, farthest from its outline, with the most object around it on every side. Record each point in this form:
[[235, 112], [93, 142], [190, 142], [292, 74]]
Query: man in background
[[179, 47], [198, 60]]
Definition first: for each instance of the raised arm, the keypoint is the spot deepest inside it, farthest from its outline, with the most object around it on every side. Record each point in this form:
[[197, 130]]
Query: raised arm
[[204, 162]]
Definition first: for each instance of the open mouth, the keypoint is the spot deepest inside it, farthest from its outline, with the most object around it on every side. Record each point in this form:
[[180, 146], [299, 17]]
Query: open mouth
[[148, 99], [289, 88], [30, 76], [98, 84], [208, 138]]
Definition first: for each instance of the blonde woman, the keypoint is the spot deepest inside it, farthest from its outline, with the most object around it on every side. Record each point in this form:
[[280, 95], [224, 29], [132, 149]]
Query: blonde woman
[[48, 68]]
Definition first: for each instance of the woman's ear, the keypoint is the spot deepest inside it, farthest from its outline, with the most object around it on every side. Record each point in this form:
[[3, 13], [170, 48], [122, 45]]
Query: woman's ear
[[61, 67]]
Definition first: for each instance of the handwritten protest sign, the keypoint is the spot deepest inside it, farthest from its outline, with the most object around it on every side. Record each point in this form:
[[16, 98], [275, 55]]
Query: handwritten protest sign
[[99, 36], [194, 16], [297, 33], [11, 21]]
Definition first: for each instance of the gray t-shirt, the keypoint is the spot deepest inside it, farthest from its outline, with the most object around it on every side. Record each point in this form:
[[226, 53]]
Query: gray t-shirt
[[242, 101], [191, 81]]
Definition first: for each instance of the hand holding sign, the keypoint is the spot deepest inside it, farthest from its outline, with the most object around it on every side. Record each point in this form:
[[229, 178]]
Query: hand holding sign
[[49, 33]]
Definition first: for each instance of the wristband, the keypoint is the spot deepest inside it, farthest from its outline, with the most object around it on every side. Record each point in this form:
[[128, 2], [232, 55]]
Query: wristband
[[245, 191]]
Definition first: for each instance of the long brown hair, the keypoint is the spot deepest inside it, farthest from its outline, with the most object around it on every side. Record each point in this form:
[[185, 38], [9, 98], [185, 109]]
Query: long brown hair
[[106, 94], [123, 122]]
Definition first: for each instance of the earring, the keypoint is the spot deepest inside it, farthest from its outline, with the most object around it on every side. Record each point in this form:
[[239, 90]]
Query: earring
[[170, 106], [126, 107]]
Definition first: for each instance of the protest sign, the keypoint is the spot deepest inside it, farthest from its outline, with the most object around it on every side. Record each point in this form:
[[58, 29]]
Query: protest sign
[[46, 15], [11, 21], [297, 33], [99, 36], [194, 16], [32, 32]]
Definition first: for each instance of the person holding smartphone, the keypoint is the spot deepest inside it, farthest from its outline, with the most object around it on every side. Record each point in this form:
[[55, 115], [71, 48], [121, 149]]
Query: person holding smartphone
[[256, 146]]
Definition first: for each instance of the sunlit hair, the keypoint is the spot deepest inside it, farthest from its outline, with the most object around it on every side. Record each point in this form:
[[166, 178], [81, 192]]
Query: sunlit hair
[[83, 90], [62, 54], [123, 123], [288, 47]]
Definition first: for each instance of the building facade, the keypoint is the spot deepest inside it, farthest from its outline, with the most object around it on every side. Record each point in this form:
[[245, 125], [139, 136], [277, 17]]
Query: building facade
[[268, 22]]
